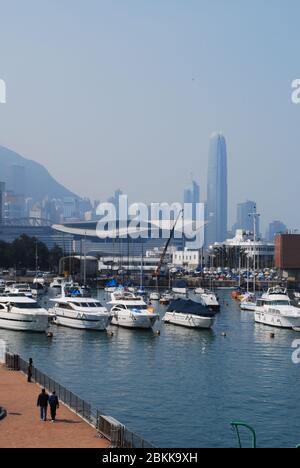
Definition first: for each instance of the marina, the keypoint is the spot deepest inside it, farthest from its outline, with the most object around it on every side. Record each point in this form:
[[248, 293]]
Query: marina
[[227, 371]]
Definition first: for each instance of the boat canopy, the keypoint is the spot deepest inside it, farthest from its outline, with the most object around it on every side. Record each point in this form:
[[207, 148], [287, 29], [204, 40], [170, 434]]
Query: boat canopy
[[180, 284], [190, 307], [112, 284]]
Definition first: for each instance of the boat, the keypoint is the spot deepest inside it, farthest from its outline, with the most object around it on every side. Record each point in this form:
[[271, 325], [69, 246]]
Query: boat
[[188, 313], [21, 288], [210, 300], [199, 291], [131, 311], [180, 288], [248, 302], [111, 286], [56, 283], [83, 313], [166, 298], [275, 309], [154, 296], [19, 312]]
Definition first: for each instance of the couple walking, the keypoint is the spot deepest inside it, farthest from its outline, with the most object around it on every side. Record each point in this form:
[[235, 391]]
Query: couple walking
[[43, 401]]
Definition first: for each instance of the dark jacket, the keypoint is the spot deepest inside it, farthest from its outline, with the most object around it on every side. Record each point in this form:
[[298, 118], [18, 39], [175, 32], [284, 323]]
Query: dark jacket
[[43, 400], [53, 401]]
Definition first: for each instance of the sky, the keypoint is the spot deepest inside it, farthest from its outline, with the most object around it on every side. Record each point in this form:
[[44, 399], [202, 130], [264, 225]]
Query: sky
[[112, 94]]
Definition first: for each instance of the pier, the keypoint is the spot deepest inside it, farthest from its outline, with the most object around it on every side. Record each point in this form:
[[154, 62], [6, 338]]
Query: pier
[[22, 428]]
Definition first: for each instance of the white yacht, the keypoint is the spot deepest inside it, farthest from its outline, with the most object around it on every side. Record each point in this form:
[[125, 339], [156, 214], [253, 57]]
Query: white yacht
[[131, 311], [199, 291], [22, 288], [21, 313], [83, 313], [275, 309], [188, 313]]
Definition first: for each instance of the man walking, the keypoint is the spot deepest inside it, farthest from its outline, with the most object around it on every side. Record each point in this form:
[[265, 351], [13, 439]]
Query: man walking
[[54, 405], [42, 402]]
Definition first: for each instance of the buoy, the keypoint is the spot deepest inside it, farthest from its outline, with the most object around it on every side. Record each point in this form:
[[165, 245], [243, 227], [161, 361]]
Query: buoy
[[224, 334], [49, 335], [158, 332], [272, 335], [110, 333]]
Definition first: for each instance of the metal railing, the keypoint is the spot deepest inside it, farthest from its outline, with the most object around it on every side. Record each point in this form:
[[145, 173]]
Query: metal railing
[[110, 428]]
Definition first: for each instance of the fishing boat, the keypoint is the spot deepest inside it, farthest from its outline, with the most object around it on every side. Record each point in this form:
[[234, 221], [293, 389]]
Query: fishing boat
[[188, 313], [19, 312], [131, 311], [275, 309]]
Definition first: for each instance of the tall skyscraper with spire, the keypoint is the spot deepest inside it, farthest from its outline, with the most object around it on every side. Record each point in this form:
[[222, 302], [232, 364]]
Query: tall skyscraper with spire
[[217, 209]]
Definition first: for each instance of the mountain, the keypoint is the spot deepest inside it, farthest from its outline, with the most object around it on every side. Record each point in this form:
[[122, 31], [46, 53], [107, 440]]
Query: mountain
[[29, 178]]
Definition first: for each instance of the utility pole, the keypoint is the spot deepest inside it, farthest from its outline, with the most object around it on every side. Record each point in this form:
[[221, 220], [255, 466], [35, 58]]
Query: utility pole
[[255, 217]]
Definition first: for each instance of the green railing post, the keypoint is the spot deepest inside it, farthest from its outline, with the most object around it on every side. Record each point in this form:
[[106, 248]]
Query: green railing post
[[237, 425]]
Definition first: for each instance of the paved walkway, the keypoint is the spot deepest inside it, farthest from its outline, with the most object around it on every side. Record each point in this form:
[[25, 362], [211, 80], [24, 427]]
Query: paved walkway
[[22, 427]]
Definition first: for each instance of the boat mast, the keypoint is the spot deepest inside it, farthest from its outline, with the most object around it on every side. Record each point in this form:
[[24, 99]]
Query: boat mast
[[254, 215]]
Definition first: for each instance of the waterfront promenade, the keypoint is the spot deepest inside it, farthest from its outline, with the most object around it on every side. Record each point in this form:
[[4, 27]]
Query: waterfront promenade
[[22, 427]]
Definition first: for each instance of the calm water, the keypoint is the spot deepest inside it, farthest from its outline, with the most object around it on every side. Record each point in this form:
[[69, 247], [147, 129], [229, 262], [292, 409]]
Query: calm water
[[181, 389]]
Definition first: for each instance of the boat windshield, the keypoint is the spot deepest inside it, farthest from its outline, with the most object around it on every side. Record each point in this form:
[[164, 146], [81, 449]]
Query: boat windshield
[[87, 304], [279, 302], [25, 305]]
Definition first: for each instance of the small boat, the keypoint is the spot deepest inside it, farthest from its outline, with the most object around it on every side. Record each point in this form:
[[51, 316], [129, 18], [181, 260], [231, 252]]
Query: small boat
[[180, 288], [111, 286], [154, 296], [275, 309], [199, 291], [248, 302], [210, 300], [166, 298], [19, 312], [131, 311], [188, 313]]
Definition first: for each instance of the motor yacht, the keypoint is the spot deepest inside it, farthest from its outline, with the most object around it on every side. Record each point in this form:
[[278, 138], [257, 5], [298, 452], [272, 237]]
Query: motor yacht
[[131, 311], [188, 313], [21, 313], [274, 308]]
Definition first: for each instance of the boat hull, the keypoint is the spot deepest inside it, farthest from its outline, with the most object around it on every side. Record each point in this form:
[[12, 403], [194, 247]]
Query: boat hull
[[99, 323], [134, 320], [24, 322], [189, 320], [277, 320]]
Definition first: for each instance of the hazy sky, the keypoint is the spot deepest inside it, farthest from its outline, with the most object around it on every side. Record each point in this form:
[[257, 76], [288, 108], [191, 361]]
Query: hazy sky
[[125, 93]]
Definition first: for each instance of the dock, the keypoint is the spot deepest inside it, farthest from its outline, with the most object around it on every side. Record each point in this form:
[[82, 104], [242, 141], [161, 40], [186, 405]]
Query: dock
[[22, 427]]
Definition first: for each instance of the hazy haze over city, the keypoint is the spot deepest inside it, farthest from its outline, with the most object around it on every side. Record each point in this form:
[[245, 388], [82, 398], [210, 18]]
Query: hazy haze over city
[[114, 94]]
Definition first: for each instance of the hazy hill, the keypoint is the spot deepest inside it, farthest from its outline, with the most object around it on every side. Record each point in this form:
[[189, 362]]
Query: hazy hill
[[37, 183]]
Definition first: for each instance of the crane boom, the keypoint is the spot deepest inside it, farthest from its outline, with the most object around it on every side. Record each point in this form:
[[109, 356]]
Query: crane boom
[[163, 255]]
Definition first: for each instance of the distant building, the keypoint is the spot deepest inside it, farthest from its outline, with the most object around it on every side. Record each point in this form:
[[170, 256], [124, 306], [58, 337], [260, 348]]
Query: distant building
[[243, 220], [70, 208], [18, 180], [287, 255], [189, 259], [242, 248], [217, 190], [192, 196], [2, 201], [276, 227]]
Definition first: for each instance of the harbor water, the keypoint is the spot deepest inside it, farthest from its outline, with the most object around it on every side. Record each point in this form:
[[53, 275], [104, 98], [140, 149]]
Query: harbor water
[[181, 388]]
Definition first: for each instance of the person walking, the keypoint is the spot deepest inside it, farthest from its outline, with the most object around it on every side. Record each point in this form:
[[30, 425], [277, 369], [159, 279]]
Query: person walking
[[42, 402], [54, 405], [29, 370]]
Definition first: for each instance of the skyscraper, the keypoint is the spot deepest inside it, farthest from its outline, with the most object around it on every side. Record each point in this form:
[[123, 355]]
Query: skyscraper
[[243, 220], [276, 227], [216, 230], [192, 196]]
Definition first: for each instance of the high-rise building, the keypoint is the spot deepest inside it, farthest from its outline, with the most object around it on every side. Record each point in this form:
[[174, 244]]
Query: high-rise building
[[192, 196], [243, 219], [2, 200], [216, 230], [276, 227]]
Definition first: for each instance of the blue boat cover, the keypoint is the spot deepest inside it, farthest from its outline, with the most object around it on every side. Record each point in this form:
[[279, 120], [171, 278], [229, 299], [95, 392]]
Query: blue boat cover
[[180, 284], [185, 306], [112, 284]]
